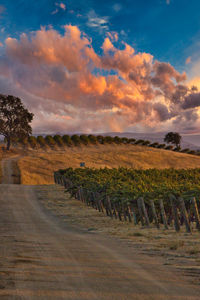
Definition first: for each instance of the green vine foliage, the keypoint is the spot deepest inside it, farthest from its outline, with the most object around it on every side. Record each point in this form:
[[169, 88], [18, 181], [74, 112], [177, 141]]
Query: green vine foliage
[[124, 185]]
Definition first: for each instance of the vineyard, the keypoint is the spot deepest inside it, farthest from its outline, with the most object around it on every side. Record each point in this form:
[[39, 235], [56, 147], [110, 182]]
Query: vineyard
[[163, 197]]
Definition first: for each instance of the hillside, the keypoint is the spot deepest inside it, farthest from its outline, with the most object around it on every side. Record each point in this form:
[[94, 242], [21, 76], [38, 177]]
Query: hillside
[[37, 167]]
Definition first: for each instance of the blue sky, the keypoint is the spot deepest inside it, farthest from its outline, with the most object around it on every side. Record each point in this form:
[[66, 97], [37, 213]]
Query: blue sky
[[106, 65], [169, 30]]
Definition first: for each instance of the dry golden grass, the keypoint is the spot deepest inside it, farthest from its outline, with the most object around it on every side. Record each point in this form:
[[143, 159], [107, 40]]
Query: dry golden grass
[[37, 167]]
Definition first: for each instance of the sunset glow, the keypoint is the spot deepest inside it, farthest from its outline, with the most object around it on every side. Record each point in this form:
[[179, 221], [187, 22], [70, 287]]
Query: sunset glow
[[81, 72]]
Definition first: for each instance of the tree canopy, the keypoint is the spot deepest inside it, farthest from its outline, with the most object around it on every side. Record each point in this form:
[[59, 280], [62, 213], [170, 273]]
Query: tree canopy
[[173, 138], [14, 119]]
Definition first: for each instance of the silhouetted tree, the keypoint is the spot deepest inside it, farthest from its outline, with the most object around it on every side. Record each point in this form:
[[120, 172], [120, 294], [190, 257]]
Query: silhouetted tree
[[173, 138], [14, 119]]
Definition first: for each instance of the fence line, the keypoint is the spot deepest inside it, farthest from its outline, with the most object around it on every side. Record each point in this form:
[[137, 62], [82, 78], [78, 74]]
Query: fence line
[[137, 211]]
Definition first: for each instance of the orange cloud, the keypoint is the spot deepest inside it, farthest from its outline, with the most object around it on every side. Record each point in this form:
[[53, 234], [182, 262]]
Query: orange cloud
[[117, 89]]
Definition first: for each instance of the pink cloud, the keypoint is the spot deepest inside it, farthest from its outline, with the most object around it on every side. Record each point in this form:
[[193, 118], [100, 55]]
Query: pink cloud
[[61, 78]]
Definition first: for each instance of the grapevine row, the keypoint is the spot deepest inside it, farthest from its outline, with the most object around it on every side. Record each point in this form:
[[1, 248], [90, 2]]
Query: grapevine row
[[142, 196]]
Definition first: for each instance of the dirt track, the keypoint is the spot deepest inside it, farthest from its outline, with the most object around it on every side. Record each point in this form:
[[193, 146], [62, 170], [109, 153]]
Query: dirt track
[[42, 259]]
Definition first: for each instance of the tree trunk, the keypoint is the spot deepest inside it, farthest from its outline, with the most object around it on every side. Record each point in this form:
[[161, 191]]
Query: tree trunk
[[8, 143]]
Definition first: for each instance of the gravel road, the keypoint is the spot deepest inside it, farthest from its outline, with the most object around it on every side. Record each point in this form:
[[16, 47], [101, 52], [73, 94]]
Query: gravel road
[[40, 258]]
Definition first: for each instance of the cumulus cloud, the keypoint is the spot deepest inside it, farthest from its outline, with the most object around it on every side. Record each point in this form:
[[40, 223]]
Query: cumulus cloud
[[62, 79]]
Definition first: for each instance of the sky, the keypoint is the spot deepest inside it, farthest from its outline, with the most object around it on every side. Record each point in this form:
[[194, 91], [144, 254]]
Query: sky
[[97, 66]]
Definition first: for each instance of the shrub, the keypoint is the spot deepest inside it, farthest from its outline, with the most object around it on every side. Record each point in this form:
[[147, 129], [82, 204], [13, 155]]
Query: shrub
[[139, 142], [117, 140], [154, 145], [186, 150], [41, 141], [192, 152], [32, 141], [76, 139], [84, 139], [124, 140], [108, 139], [49, 140], [67, 140], [161, 146], [24, 142], [92, 139], [58, 139], [131, 141], [170, 147], [145, 143], [100, 139], [177, 149]]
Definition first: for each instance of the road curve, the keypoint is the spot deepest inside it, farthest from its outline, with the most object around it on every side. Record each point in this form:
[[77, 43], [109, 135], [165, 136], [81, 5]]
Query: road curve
[[42, 259]]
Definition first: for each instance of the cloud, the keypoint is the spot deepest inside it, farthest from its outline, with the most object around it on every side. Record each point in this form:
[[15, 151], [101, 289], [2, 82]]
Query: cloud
[[97, 22], [191, 101], [70, 87], [117, 7], [61, 6], [188, 60]]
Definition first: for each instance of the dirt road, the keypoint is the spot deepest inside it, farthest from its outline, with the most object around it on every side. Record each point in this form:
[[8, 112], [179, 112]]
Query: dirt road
[[40, 258]]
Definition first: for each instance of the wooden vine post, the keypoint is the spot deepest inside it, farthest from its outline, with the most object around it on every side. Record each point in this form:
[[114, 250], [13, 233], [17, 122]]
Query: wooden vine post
[[145, 212], [184, 214], [140, 211], [175, 213], [154, 213], [134, 215], [196, 212], [109, 206], [163, 214]]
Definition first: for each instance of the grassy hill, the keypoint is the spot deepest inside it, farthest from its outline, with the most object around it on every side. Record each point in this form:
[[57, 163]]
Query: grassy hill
[[37, 167]]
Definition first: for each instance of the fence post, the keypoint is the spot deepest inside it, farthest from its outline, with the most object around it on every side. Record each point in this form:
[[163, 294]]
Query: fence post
[[109, 206], [184, 214], [145, 212], [134, 215], [154, 213], [196, 212], [163, 214], [174, 213], [140, 211]]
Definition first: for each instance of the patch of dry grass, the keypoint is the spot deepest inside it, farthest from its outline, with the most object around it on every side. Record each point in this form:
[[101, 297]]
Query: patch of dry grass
[[37, 167], [179, 248]]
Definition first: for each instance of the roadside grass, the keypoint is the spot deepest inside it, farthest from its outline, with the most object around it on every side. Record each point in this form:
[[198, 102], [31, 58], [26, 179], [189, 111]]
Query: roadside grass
[[37, 166], [153, 241]]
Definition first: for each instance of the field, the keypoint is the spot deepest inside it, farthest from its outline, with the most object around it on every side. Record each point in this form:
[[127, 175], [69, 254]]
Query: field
[[37, 166]]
